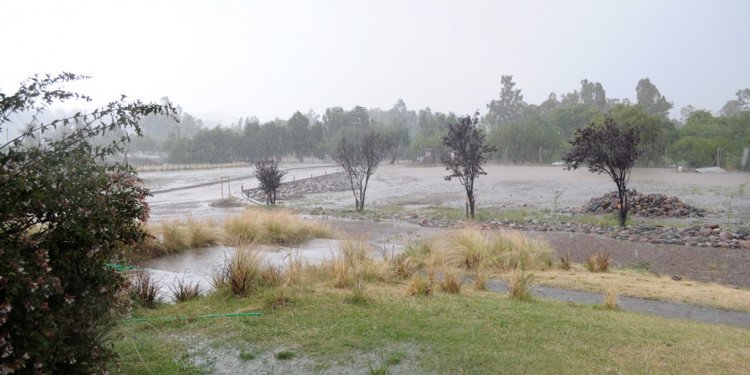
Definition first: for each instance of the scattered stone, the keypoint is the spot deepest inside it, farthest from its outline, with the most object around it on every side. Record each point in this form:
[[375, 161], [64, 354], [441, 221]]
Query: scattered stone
[[648, 205], [299, 188]]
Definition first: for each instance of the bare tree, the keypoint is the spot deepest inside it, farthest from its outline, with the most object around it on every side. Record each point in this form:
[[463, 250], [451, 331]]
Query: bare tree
[[269, 176], [467, 154], [608, 149], [360, 154]]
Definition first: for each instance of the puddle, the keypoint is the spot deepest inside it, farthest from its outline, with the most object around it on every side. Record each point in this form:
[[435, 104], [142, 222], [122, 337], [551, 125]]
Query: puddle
[[199, 265]]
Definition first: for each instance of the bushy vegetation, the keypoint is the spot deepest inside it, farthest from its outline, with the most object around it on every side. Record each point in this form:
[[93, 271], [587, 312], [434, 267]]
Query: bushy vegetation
[[66, 211]]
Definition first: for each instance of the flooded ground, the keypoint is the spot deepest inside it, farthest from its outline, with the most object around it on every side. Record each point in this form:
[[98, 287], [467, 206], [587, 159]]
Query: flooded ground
[[198, 266], [177, 194]]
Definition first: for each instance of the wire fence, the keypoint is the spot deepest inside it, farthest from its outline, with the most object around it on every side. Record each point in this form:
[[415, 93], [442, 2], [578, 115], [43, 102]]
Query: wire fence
[[152, 167]]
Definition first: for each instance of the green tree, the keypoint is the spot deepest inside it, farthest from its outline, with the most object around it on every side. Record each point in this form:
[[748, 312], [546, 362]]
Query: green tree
[[528, 140], [593, 94], [734, 107], [399, 136], [510, 105], [571, 118], [334, 120], [319, 148], [651, 99], [656, 133], [65, 212], [299, 133], [700, 152]]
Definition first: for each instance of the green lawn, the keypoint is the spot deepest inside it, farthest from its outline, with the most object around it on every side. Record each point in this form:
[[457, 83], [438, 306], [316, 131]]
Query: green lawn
[[471, 333]]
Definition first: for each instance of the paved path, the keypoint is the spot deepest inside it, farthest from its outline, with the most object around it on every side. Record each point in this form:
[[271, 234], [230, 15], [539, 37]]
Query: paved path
[[672, 310]]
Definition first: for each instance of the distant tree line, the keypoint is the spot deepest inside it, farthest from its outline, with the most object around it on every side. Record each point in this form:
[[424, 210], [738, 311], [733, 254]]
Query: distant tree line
[[522, 133]]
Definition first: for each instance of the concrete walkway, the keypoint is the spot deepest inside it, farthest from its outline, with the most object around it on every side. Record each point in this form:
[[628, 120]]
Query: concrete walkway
[[671, 310]]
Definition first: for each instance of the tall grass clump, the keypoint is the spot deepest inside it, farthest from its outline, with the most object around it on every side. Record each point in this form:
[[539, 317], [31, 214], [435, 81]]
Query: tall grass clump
[[515, 249], [598, 262], [361, 263], [143, 289], [470, 248], [242, 229], [355, 264], [277, 226], [611, 298], [340, 272], [271, 274], [173, 236], [419, 286], [295, 269], [283, 227], [565, 261], [420, 255], [242, 271], [184, 290], [603, 261], [519, 287], [201, 234], [451, 282], [414, 258]]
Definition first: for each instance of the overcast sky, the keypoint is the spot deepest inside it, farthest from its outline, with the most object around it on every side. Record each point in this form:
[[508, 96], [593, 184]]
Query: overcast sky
[[270, 58]]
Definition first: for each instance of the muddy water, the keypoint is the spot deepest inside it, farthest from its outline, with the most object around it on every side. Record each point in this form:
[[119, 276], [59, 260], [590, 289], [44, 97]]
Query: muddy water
[[199, 265]]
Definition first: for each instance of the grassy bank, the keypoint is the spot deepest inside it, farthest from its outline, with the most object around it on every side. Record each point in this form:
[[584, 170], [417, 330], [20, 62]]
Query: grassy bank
[[472, 332]]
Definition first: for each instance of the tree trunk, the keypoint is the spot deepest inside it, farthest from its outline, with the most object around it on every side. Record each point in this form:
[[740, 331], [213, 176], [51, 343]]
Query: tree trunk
[[361, 202], [470, 198], [623, 207]]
